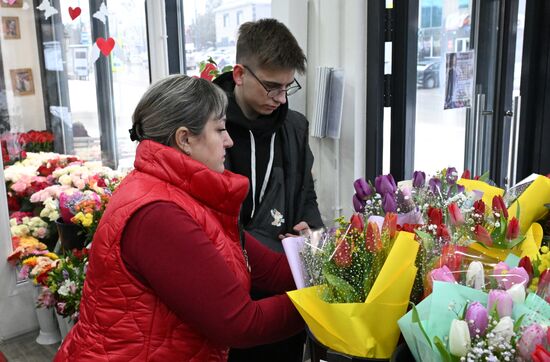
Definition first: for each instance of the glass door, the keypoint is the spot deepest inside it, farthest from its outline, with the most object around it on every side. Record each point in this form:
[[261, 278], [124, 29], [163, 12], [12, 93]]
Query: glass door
[[468, 65]]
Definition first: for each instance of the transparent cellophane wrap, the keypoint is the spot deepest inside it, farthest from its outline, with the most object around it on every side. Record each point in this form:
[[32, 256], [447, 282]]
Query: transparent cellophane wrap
[[366, 329]]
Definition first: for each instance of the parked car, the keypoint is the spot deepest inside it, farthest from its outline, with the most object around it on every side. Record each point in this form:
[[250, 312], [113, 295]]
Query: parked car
[[427, 73]]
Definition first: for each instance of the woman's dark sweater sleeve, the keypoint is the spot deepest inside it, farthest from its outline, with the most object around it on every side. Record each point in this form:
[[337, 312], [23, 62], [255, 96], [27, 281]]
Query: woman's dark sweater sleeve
[[170, 253]]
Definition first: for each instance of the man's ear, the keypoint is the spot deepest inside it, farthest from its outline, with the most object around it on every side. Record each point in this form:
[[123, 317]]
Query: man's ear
[[238, 72], [181, 140]]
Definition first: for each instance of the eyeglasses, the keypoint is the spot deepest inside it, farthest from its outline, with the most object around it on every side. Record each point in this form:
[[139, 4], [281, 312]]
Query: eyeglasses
[[275, 92]]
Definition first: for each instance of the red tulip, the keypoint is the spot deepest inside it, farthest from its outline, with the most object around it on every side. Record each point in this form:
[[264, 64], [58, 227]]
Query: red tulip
[[499, 206], [466, 174], [207, 71], [342, 254], [372, 239], [451, 255], [435, 216], [455, 214], [544, 282], [479, 207], [512, 231], [357, 222], [526, 264], [443, 232], [540, 354], [390, 224], [482, 235]]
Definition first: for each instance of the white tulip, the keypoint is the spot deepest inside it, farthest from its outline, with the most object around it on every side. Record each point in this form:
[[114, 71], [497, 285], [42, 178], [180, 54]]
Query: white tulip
[[475, 276], [517, 292], [504, 330], [459, 338]]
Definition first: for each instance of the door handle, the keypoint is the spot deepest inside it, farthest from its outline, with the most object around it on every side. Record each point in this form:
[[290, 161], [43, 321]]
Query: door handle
[[514, 140]]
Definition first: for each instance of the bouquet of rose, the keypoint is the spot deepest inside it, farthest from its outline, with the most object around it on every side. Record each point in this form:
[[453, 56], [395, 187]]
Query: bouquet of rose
[[209, 69], [362, 276], [63, 284], [16, 145], [32, 256], [457, 323], [36, 141], [84, 209]]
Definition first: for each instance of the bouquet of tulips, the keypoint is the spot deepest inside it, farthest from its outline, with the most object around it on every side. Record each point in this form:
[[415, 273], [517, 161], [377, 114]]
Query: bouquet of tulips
[[359, 277], [458, 323]]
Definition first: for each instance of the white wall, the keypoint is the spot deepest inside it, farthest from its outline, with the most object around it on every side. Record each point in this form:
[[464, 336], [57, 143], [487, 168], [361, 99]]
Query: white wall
[[333, 33], [26, 112], [17, 311]]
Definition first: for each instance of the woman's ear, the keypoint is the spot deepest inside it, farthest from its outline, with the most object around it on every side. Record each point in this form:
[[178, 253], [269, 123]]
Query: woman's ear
[[238, 72], [181, 140]]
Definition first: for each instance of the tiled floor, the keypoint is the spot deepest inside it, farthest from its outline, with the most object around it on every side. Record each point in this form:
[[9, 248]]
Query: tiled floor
[[25, 349]]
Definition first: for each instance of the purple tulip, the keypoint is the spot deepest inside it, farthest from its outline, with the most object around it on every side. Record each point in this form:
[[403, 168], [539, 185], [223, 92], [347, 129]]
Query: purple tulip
[[532, 335], [435, 185], [451, 176], [503, 302], [419, 178], [477, 318], [385, 184], [388, 203], [443, 274], [358, 204], [460, 189], [362, 188]]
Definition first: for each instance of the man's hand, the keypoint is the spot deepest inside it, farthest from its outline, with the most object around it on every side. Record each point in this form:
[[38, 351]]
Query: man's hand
[[301, 228]]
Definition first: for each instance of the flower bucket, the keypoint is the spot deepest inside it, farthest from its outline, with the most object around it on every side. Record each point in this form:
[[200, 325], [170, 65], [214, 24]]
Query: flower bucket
[[49, 333], [65, 325], [70, 235]]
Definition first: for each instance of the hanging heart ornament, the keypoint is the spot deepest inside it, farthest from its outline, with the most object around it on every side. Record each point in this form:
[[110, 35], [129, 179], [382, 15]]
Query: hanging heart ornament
[[74, 12], [105, 45]]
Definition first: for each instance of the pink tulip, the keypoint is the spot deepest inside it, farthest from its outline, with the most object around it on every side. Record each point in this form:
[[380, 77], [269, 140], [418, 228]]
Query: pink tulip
[[531, 336], [477, 318], [503, 301], [516, 275], [443, 274]]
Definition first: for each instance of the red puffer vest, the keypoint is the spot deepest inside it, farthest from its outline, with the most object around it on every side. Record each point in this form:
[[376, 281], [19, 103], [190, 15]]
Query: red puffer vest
[[122, 320]]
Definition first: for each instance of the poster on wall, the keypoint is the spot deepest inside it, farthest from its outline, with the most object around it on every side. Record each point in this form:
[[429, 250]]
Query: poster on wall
[[459, 80], [22, 82], [10, 27], [11, 3]]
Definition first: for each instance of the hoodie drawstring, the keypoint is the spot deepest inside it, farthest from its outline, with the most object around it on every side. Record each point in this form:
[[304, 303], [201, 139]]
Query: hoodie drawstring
[[253, 169]]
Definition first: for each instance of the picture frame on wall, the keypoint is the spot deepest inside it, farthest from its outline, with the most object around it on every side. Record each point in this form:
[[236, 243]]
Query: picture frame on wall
[[10, 27], [22, 81], [11, 3]]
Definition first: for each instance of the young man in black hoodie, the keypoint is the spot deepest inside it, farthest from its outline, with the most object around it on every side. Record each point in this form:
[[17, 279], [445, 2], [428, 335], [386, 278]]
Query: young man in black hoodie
[[271, 148]]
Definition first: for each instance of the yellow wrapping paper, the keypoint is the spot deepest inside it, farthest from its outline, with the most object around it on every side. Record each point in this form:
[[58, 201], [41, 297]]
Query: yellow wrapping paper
[[365, 329], [529, 246], [531, 203], [488, 191]]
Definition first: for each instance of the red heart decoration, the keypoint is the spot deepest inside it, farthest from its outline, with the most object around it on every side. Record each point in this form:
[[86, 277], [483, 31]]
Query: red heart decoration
[[74, 13], [105, 45]]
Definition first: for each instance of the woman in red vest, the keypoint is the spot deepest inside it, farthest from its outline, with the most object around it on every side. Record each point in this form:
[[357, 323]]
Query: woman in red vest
[[170, 270]]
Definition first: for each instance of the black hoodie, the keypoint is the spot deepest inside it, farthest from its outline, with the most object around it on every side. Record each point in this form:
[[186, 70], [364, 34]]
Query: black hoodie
[[289, 196]]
